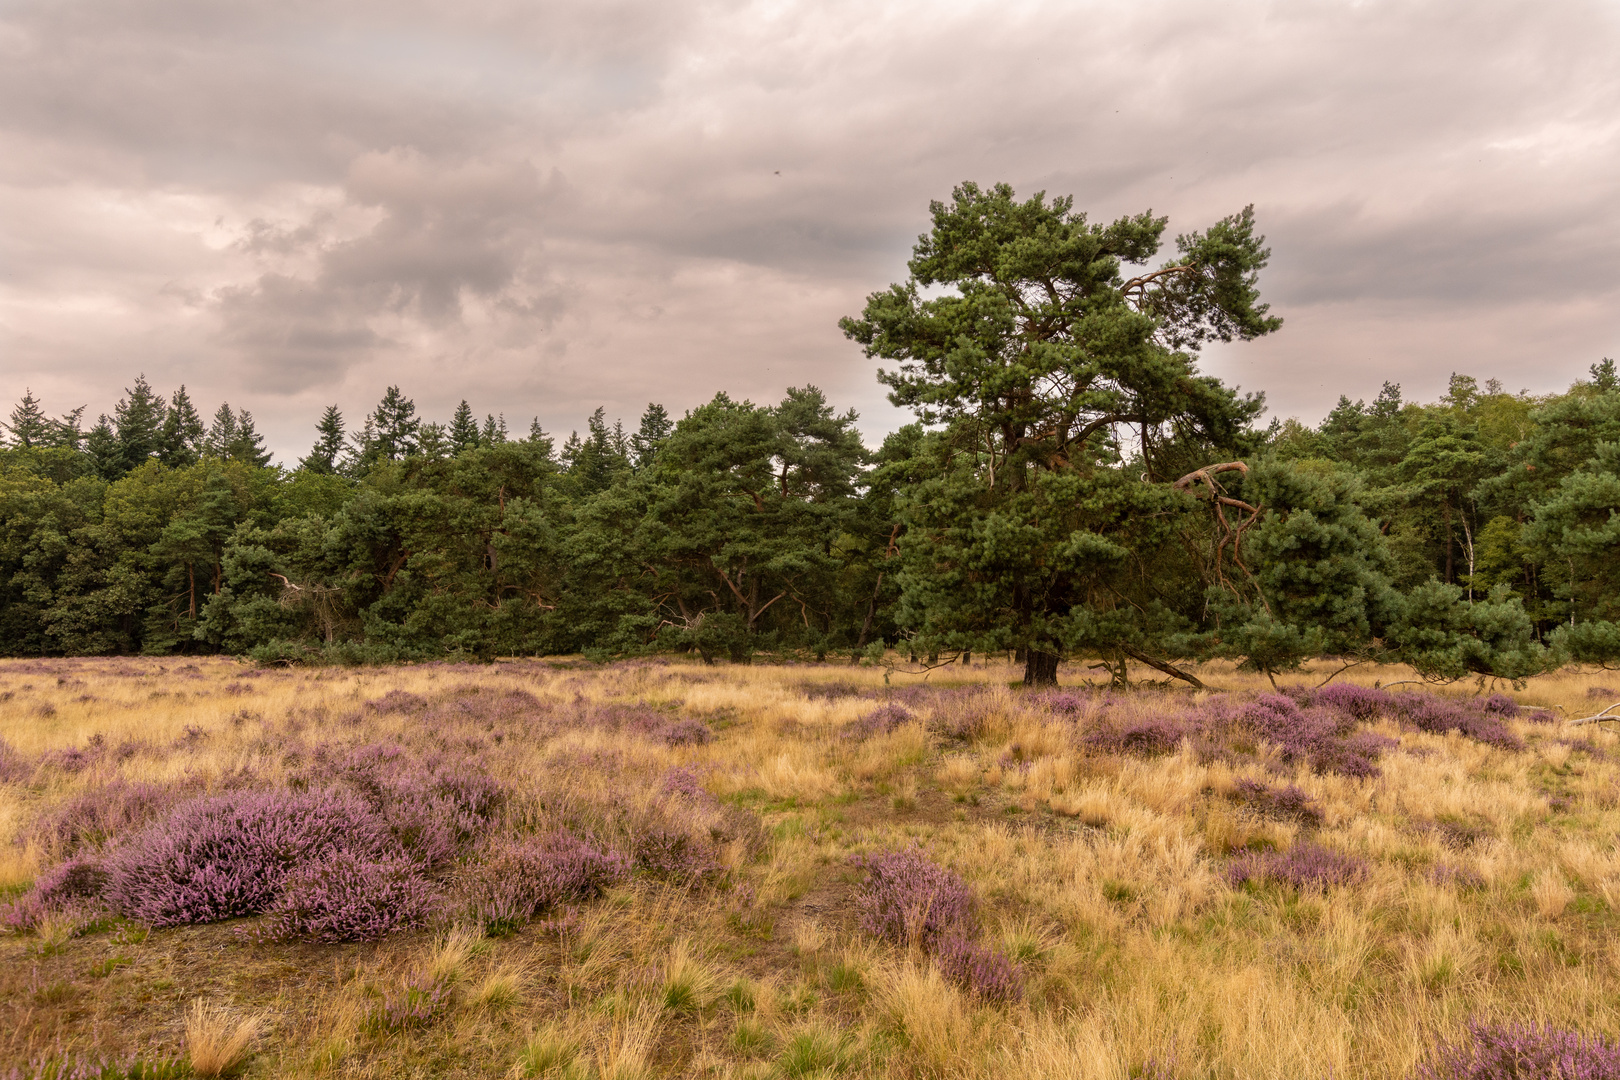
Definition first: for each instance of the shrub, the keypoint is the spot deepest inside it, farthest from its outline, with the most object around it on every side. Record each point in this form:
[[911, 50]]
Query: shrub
[[1459, 877], [77, 880], [687, 732], [909, 899], [880, 721], [1439, 715], [1325, 738], [1144, 738], [987, 972], [521, 878], [1303, 866], [223, 856], [1289, 803], [24, 913], [684, 783], [353, 897], [1522, 1051], [1358, 702], [663, 849]]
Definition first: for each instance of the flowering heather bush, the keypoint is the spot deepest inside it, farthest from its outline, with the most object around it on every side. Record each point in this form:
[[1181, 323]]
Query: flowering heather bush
[[23, 913], [109, 812], [1522, 1052], [880, 721], [986, 972], [684, 783], [1144, 738], [908, 898], [521, 878], [223, 856], [1059, 702], [72, 759], [398, 701], [687, 732], [663, 849], [432, 808], [1359, 702], [1289, 803], [1501, 705], [1439, 715], [1325, 738], [350, 897], [77, 880], [1302, 866]]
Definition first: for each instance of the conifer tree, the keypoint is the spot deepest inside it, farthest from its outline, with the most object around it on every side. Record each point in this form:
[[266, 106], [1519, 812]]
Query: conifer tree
[[138, 423], [29, 427], [323, 458], [66, 432], [494, 432], [433, 441], [395, 426], [221, 437], [248, 446], [654, 430], [102, 447], [463, 433], [183, 432]]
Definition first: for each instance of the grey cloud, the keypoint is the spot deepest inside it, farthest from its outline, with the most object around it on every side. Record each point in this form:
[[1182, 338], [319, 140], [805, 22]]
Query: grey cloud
[[388, 182]]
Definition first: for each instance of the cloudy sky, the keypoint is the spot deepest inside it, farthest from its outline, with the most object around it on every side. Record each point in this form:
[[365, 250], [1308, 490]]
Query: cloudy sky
[[547, 206]]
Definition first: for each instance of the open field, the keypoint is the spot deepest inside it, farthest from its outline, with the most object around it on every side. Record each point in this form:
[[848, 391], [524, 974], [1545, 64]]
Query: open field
[[1156, 884]]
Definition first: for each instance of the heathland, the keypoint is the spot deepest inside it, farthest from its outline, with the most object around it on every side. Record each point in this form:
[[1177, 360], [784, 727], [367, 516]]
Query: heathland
[[663, 868]]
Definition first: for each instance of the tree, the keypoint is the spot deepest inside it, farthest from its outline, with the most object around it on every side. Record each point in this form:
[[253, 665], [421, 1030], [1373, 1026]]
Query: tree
[[463, 434], [1040, 361], [395, 426], [181, 441], [654, 430], [222, 433], [323, 457], [494, 432], [29, 426], [248, 446], [101, 446], [138, 423]]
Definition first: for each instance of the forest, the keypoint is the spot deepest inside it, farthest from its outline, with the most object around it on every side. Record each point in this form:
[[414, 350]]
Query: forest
[[1072, 489]]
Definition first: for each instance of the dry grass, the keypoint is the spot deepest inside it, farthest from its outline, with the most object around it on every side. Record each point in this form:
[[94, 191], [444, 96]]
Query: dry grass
[[1104, 877], [216, 1040]]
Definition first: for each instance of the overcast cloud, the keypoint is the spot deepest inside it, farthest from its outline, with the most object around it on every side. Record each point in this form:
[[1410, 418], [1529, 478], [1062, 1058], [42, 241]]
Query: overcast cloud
[[547, 207]]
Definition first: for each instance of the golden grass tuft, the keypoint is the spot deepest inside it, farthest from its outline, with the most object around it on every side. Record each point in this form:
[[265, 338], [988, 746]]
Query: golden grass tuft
[[216, 1040]]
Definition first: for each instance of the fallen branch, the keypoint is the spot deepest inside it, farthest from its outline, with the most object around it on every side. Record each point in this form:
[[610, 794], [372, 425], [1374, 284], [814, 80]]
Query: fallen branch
[[1163, 665], [1599, 718], [1341, 671]]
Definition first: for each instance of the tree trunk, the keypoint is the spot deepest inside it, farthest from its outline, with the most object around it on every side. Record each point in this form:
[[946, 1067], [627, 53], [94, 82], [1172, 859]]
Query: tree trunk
[[1040, 668], [967, 656]]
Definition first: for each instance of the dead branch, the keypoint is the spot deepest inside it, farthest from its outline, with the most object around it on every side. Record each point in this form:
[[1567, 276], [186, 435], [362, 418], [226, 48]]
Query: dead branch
[[1163, 665], [1599, 718]]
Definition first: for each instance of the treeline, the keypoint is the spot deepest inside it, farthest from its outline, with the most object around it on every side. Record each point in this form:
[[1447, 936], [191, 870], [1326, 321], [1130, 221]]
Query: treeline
[[1072, 488]]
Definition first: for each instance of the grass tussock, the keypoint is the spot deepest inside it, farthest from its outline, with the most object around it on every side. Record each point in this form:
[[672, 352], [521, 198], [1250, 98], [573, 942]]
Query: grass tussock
[[651, 869]]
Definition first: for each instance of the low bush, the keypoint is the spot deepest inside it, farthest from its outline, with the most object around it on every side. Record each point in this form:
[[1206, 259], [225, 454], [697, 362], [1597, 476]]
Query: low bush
[[1522, 1052], [1288, 803], [983, 971], [521, 878], [909, 899], [1303, 866], [223, 856], [880, 721], [346, 896]]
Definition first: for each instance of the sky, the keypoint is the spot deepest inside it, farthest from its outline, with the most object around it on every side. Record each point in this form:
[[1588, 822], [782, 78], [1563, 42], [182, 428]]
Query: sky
[[543, 207]]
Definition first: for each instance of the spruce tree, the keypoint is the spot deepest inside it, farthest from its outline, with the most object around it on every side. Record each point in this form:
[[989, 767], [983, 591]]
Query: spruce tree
[[463, 432], [395, 425], [102, 447], [323, 458], [183, 432], [433, 441], [248, 446], [494, 432], [221, 437], [655, 428], [67, 432], [138, 423], [29, 427]]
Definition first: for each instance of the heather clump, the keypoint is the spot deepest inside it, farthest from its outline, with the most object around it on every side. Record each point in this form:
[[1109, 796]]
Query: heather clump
[[223, 856], [1304, 866], [519, 878], [1522, 1052], [351, 896], [979, 969], [1325, 739], [1146, 737], [1441, 715], [76, 881], [880, 721], [909, 899], [1359, 702], [1287, 803], [14, 768]]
